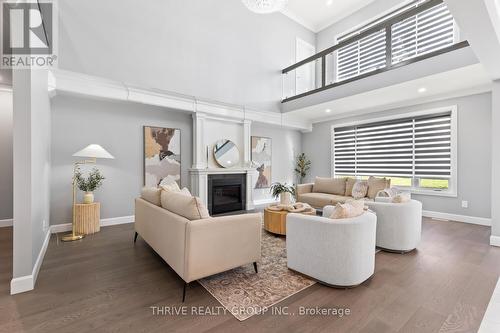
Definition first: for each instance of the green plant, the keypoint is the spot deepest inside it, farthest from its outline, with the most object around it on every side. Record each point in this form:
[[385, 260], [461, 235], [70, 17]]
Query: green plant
[[278, 188], [91, 183], [302, 166]]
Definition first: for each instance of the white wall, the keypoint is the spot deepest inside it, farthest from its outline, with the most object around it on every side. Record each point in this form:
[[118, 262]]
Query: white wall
[[214, 49], [495, 171], [118, 127], [31, 144], [5, 154], [286, 145], [474, 154]]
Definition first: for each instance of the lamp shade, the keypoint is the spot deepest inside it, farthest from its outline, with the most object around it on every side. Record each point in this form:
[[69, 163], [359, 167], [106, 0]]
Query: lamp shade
[[93, 151]]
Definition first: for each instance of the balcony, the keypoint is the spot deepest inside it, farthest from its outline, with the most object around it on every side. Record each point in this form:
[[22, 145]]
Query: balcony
[[418, 32]]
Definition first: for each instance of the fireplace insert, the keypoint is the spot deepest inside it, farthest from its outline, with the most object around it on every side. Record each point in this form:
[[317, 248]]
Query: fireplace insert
[[226, 193]]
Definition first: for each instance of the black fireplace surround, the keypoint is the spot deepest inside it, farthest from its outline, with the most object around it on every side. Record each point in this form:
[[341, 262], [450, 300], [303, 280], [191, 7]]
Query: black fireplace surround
[[226, 193]]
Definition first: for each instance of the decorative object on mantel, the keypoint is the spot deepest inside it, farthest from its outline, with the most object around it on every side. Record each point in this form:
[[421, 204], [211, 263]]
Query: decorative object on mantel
[[92, 153], [283, 191], [265, 6], [89, 184], [162, 155], [226, 153], [262, 156], [302, 166]]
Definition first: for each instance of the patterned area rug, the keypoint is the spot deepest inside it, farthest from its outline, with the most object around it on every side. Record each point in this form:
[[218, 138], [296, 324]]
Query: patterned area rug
[[244, 293]]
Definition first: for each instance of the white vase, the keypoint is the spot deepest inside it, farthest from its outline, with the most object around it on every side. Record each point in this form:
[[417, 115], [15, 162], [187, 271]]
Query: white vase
[[285, 198], [88, 198]]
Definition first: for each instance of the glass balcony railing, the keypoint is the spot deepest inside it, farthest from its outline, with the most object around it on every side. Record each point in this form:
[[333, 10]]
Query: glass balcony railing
[[424, 29]]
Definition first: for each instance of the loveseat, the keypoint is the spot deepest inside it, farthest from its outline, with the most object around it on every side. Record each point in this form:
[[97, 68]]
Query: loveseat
[[330, 191], [197, 248]]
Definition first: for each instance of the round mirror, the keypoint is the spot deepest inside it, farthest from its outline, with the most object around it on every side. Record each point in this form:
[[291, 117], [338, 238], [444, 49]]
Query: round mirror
[[226, 153]]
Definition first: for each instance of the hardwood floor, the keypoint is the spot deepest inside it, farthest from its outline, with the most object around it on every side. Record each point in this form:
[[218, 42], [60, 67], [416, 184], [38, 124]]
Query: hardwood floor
[[105, 283]]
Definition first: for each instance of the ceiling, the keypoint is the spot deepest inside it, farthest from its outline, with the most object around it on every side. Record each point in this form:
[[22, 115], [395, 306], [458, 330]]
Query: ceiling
[[319, 14], [459, 82]]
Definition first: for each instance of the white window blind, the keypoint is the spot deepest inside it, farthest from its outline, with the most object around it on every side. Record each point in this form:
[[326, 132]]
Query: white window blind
[[428, 31], [417, 147]]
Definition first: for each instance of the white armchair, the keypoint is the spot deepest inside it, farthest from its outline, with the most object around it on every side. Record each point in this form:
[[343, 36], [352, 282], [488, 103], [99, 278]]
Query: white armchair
[[338, 253], [399, 225]]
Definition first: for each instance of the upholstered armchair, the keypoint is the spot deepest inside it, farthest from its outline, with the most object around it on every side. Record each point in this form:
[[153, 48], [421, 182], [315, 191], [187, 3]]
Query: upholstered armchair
[[338, 253]]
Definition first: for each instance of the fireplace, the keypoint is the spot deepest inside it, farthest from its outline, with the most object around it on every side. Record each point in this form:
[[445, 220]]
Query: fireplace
[[226, 193]]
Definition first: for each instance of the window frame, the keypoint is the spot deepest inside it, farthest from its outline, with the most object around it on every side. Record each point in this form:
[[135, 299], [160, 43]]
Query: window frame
[[452, 190], [373, 21]]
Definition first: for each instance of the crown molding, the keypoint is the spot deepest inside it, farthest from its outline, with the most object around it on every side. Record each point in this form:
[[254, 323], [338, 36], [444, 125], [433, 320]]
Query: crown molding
[[62, 82]]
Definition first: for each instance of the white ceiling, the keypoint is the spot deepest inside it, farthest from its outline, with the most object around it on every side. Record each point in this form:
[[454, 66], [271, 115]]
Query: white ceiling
[[318, 14], [459, 82]]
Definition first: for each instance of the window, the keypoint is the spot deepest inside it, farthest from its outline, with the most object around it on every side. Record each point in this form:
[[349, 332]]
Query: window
[[417, 35], [415, 151]]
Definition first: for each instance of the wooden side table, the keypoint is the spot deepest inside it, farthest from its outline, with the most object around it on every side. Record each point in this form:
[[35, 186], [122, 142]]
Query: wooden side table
[[87, 218], [275, 221]]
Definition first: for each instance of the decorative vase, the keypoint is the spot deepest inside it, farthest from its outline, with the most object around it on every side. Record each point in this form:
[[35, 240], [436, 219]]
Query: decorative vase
[[88, 198], [285, 198]]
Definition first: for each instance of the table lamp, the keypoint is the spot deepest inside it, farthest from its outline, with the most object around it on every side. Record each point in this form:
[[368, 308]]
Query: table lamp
[[91, 153]]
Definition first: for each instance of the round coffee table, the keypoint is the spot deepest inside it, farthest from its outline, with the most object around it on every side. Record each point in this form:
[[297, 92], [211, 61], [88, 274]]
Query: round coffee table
[[275, 221]]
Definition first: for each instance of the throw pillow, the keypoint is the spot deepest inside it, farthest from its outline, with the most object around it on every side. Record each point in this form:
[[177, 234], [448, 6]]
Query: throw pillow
[[377, 184], [349, 185], [329, 185], [360, 189], [170, 187], [187, 206], [152, 195], [402, 198], [348, 210]]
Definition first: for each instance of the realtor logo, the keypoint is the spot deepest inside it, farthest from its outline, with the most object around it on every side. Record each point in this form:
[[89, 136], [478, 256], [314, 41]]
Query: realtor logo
[[27, 34]]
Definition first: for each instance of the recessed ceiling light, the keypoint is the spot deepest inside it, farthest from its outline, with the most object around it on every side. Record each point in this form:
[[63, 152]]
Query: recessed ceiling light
[[328, 110], [422, 90], [329, 2]]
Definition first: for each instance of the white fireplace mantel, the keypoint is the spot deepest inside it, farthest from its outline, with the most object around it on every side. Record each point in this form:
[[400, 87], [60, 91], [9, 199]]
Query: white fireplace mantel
[[207, 129]]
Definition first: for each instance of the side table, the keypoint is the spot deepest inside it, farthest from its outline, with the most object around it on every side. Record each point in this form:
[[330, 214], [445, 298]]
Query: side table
[[87, 218]]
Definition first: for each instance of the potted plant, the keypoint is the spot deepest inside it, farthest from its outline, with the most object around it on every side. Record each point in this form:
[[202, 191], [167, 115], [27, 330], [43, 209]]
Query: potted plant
[[302, 166], [89, 184], [283, 191]]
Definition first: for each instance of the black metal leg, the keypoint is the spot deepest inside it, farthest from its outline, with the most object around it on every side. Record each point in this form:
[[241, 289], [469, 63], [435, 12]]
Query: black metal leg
[[255, 267], [135, 237], [184, 292]]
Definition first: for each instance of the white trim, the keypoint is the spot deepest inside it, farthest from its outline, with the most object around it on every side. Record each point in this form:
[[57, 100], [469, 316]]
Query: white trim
[[453, 190], [27, 283], [458, 218], [73, 83], [65, 227], [6, 223], [495, 240]]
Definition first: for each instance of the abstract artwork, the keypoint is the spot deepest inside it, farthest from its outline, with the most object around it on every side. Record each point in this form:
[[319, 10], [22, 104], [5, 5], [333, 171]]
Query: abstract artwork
[[162, 155], [262, 157]]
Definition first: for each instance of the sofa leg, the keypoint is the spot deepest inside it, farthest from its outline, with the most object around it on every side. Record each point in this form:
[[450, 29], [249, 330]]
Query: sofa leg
[[135, 237], [184, 292], [255, 267]]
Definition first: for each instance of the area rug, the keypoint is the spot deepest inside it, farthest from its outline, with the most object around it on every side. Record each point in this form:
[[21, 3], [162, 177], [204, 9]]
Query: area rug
[[244, 293]]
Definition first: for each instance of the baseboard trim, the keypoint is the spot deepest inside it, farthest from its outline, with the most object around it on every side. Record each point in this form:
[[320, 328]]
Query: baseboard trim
[[458, 218], [495, 240], [26, 283], [6, 223], [65, 227]]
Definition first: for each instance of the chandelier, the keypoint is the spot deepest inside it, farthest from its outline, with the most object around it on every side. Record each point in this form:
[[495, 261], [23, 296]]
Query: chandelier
[[265, 6]]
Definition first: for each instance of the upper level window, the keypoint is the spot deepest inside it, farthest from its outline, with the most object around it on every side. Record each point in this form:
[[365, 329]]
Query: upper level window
[[414, 36], [416, 152]]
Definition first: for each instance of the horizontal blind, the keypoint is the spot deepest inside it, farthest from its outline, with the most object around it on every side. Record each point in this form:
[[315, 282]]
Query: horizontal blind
[[428, 31], [362, 56], [408, 147]]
